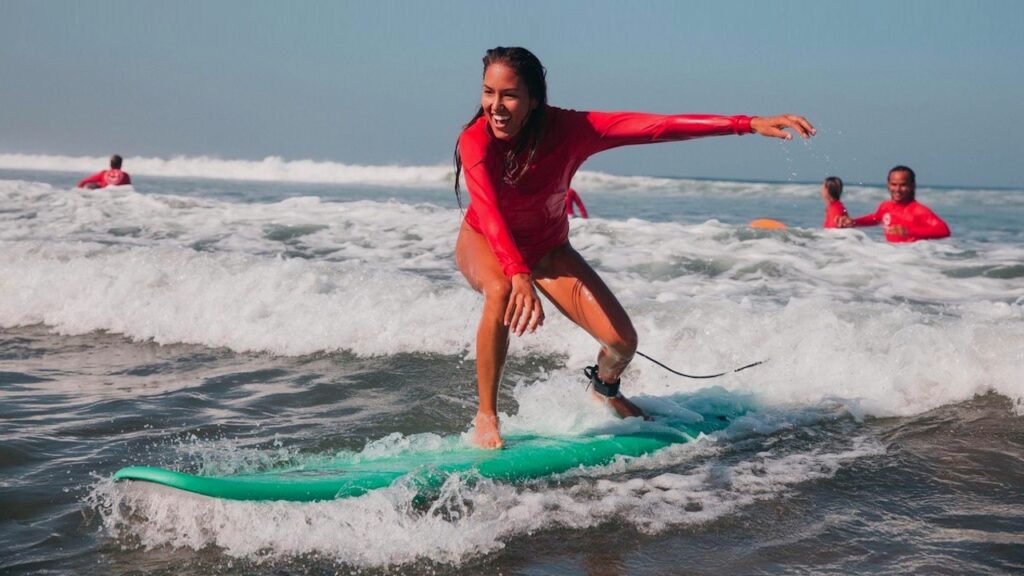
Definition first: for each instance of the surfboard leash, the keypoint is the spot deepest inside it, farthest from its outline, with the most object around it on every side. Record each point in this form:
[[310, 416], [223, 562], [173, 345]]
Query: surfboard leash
[[678, 373]]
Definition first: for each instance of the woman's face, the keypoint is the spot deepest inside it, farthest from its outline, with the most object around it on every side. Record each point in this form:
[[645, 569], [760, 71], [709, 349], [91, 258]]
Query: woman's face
[[505, 100]]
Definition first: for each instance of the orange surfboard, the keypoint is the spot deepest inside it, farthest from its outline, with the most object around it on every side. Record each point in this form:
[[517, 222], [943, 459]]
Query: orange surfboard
[[767, 224]]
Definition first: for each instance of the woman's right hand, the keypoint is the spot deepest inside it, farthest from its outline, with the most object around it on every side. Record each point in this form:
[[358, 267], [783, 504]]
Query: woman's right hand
[[775, 126], [524, 311]]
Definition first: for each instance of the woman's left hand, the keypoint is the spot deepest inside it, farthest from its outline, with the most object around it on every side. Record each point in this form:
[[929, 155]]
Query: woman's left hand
[[775, 126]]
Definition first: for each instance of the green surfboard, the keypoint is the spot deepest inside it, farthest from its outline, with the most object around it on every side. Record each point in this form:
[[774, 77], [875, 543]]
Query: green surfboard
[[524, 457]]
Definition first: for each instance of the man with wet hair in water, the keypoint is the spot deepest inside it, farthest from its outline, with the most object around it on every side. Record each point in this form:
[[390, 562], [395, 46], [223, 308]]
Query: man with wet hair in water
[[113, 177], [904, 218]]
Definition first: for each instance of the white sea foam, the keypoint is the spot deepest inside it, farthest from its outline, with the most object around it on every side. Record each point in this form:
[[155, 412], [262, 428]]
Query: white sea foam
[[247, 303], [269, 169], [891, 330], [277, 169], [685, 484], [469, 517]]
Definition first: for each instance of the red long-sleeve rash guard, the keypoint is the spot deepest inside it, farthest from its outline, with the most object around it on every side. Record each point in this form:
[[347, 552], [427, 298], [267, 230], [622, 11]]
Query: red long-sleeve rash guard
[[524, 220], [832, 212], [916, 218]]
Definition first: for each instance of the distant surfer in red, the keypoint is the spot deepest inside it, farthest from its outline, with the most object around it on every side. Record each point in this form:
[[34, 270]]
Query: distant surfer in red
[[904, 218], [571, 198], [519, 155], [113, 177], [831, 191]]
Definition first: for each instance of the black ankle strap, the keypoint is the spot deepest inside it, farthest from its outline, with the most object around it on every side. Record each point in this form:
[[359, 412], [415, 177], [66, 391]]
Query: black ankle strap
[[609, 389]]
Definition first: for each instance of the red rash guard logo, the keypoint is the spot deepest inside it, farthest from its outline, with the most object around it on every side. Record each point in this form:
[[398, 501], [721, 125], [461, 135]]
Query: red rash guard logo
[[887, 219], [114, 177]]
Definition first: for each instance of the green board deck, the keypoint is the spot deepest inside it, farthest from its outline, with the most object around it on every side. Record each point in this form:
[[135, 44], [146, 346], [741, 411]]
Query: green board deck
[[523, 458]]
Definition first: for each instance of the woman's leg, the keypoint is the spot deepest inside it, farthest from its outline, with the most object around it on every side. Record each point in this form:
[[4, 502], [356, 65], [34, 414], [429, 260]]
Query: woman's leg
[[576, 289], [477, 263]]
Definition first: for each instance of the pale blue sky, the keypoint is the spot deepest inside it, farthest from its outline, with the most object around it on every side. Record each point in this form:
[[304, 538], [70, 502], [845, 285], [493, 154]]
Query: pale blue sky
[[937, 85]]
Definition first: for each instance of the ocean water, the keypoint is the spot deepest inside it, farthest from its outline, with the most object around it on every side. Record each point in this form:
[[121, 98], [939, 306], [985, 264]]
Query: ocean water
[[229, 316]]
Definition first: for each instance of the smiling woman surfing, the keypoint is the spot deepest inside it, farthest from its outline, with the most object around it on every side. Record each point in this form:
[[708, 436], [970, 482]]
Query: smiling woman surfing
[[519, 155]]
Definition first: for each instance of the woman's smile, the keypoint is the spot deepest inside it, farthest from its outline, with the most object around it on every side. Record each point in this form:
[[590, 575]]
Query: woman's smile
[[505, 100]]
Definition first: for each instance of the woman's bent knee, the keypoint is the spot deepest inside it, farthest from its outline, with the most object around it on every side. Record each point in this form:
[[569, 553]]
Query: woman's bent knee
[[497, 290]]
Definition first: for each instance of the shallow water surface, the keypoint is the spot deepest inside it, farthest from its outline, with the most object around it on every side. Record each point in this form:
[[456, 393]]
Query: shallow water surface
[[223, 327]]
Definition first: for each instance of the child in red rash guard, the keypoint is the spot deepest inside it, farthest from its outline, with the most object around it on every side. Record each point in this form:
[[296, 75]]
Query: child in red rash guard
[[831, 190]]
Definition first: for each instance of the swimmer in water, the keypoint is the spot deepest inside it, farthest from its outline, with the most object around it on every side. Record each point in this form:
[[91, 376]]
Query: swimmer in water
[[112, 177], [831, 190]]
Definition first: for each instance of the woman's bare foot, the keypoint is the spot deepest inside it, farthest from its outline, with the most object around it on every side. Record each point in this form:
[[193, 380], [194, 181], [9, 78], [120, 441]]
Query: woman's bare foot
[[623, 407], [486, 432]]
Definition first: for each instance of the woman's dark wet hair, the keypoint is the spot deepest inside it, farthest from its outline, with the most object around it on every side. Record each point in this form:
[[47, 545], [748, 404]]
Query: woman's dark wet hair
[[528, 67], [834, 186]]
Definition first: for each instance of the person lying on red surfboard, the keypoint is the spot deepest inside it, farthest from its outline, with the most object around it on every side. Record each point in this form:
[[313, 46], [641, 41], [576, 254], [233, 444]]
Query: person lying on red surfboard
[[113, 177]]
